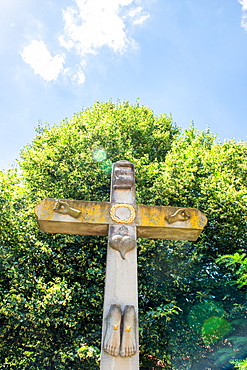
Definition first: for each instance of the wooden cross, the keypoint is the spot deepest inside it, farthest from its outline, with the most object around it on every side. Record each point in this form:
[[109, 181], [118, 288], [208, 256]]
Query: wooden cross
[[123, 221]]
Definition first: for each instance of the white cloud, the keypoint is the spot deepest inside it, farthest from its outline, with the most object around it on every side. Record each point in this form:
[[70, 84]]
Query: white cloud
[[244, 21], [95, 24], [89, 25], [141, 19], [138, 15], [244, 4], [135, 11], [41, 61], [79, 77], [244, 15], [76, 75]]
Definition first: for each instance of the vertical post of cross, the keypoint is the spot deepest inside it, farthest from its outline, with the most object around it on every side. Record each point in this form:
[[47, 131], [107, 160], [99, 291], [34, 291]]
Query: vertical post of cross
[[123, 220], [120, 318]]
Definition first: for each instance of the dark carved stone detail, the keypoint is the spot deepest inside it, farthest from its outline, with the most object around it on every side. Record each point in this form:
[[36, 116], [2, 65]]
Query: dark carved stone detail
[[63, 208], [120, 337], [128, 338], [123, 175], [122, 241], [111, 343], [179, 215]]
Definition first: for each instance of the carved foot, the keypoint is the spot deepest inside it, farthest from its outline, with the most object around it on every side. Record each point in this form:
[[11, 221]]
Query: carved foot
[[112, 337], [128, 344]]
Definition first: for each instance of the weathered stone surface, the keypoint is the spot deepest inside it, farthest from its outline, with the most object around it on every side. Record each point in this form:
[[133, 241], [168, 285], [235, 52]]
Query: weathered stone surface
[[123, 221], [120, 336], [121, 275], [123, 239], [95, 217]]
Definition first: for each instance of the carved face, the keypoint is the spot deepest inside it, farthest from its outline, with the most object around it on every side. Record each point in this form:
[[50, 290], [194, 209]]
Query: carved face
[[123, 230]]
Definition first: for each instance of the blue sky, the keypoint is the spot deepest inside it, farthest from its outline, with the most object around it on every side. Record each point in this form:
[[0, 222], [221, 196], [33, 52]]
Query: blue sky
[[184, 57]]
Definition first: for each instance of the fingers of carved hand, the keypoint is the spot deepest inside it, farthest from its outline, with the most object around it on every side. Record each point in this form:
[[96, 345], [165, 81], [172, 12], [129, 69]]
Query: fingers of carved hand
[[182, 215], [61, 207]]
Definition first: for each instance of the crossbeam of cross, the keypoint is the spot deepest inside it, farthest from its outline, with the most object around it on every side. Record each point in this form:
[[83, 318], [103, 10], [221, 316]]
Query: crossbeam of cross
[[123, 221]]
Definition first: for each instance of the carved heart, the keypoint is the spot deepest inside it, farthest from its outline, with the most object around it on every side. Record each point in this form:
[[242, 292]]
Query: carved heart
[[122, 244]]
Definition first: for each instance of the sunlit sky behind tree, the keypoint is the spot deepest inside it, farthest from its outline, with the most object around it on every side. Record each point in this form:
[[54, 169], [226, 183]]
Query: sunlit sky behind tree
[[187, 58]]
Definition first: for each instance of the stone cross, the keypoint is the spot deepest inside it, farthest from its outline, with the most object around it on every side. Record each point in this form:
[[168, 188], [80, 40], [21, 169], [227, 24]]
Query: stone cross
[[123, 221]]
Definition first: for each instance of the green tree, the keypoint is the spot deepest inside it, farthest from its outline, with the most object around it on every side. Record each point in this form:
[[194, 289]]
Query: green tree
[[52, 285]]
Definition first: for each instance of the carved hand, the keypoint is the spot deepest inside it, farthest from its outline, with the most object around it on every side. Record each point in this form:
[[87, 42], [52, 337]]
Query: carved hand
[[179, 215], [65, 209]]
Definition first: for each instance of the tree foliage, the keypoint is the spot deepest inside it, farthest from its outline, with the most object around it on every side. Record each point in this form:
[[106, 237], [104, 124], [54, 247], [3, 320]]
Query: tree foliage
[[52, 286]]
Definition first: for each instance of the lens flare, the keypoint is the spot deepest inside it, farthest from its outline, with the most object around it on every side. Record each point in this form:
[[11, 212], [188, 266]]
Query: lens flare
[[106, 166], [99, 154], [203, 311], [214, 329]]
